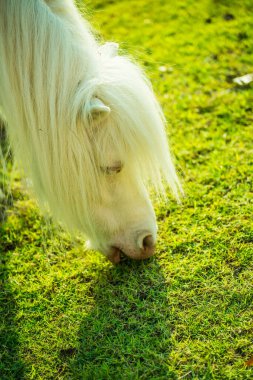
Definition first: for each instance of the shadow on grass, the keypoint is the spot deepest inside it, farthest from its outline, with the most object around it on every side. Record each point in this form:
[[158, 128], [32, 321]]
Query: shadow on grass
[[5, 160], [11, 366], [125, 336]]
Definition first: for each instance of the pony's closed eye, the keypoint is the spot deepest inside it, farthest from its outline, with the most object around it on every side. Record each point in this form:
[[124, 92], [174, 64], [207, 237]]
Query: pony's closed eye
[[115, 168]]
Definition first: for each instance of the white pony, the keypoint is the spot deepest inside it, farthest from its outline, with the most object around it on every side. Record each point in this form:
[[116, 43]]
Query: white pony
[[84, 124]]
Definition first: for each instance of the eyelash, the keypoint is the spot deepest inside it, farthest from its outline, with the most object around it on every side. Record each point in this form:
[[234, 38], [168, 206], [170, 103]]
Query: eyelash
[[110, 170]]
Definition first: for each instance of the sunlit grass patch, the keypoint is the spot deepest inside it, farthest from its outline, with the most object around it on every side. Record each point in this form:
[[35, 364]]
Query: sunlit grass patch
[[65, 312]]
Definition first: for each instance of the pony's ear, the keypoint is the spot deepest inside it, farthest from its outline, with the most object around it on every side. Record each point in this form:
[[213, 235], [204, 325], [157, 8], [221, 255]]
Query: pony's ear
[[97, 110], [109, 49]]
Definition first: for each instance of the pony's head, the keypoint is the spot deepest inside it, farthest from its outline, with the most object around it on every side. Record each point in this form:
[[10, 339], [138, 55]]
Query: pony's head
[[86, 126], [116, 148]]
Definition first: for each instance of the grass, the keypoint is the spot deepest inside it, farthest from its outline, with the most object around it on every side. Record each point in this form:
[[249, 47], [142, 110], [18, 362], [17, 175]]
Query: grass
[[67, 313]]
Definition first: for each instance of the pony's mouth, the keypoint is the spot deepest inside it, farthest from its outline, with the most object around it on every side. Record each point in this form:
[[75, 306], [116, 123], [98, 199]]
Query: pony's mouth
[[117, 255]]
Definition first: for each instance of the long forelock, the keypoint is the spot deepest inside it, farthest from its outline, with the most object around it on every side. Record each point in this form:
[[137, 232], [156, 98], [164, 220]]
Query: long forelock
[[136, 127]]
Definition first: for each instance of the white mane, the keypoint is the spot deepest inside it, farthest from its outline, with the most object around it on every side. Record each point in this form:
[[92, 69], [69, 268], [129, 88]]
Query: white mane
[[51, 69]]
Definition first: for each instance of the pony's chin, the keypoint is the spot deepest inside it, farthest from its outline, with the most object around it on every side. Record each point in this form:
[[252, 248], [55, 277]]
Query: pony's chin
[[115, 255]]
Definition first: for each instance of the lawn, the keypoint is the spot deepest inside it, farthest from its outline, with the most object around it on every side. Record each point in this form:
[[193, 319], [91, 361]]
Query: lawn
[[187, 313]]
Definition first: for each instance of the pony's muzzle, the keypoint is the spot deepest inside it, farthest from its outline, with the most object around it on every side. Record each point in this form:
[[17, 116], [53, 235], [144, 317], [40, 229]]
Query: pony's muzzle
[[145, 248]]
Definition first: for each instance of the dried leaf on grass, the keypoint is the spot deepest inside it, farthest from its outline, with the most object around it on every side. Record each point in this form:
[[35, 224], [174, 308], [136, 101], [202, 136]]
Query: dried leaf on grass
[[249, 362]]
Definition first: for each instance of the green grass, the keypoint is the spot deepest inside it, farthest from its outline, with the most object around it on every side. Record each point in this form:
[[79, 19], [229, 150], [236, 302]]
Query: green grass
[[187, 313]]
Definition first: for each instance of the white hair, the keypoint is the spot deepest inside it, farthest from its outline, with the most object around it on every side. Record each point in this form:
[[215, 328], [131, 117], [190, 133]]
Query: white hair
[[74, 108]]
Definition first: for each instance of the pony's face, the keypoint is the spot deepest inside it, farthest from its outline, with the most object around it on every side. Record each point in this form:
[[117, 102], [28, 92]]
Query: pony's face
[[124, 222], [121, 217], [123, 130]]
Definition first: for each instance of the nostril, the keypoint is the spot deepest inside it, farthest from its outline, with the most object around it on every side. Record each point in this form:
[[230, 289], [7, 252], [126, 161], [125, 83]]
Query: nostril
[[148, 242], [148, 246]]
